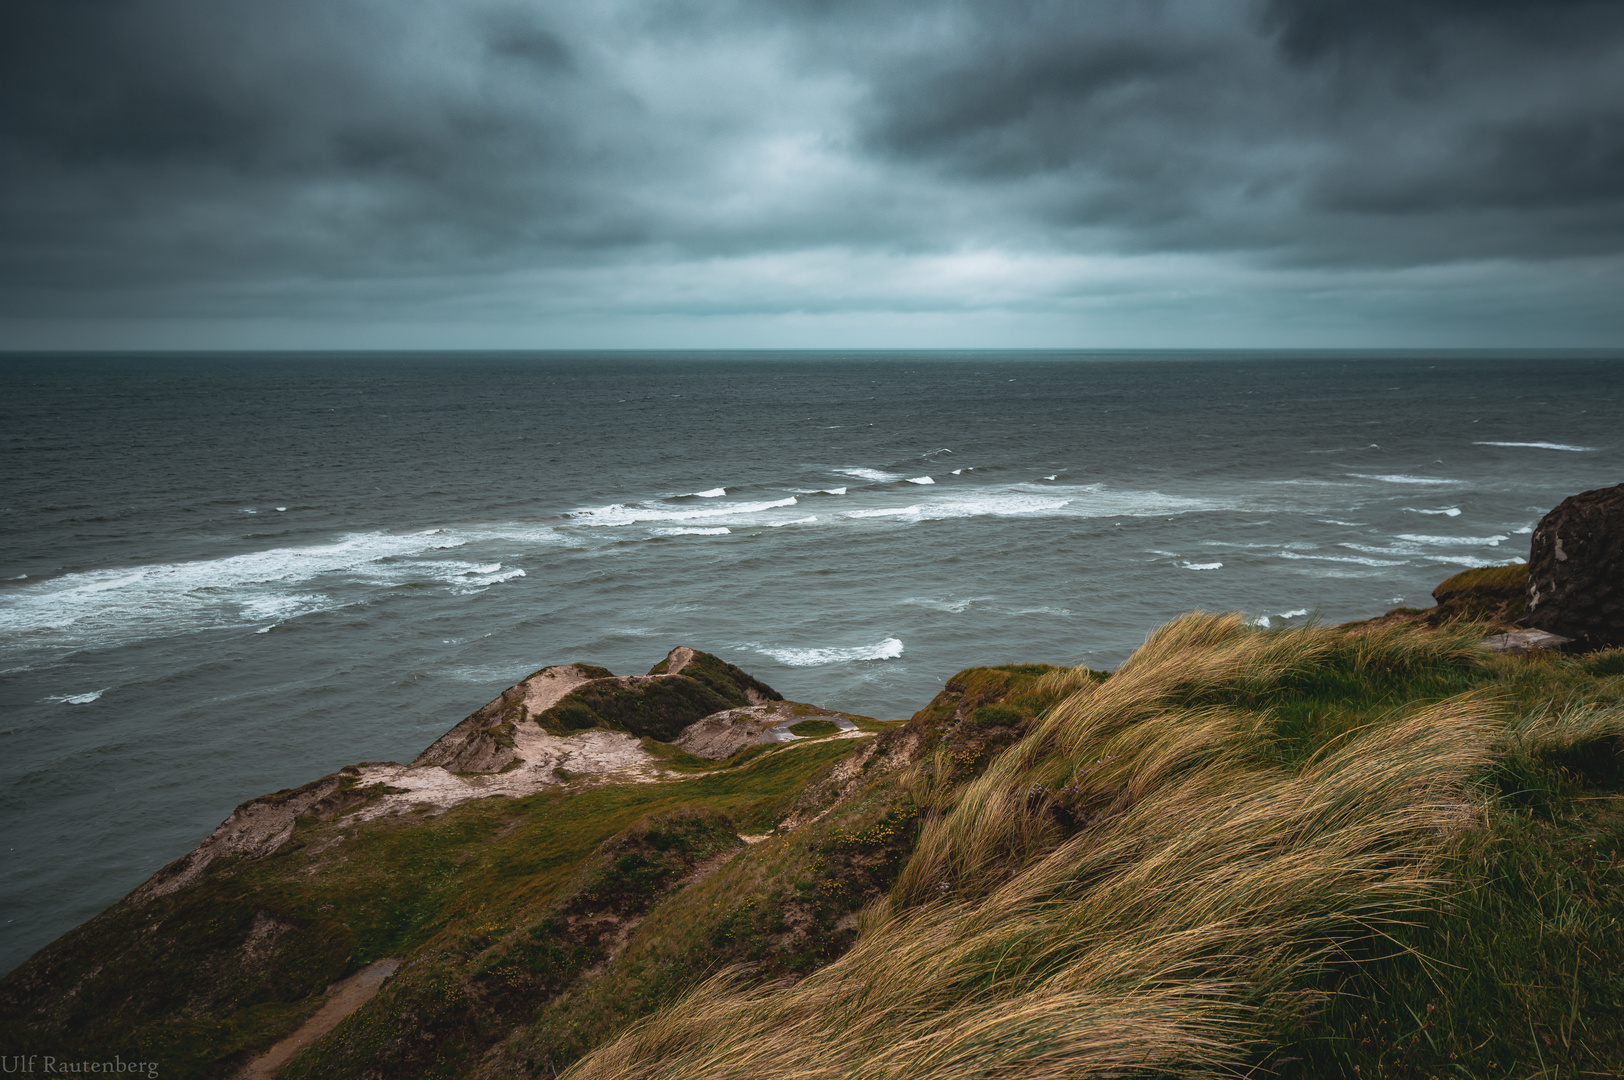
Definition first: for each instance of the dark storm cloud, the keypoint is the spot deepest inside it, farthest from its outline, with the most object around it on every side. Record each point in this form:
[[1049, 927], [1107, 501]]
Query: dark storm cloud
[[182, 157], [1365, 131]]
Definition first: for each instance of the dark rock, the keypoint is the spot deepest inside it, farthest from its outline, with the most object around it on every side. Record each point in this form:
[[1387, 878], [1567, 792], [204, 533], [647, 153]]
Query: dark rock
[[1576, 570], [1522, 642]]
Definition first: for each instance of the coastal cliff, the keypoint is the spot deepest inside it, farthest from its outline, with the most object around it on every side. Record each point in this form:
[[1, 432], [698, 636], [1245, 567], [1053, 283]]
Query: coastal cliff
[[1307, 850]]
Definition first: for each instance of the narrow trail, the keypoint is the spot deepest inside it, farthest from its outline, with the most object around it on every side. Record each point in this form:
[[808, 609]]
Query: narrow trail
[[345, 997]]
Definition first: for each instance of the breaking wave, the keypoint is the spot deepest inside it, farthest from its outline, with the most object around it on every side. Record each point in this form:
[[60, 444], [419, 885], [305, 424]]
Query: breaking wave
[[889, 649]]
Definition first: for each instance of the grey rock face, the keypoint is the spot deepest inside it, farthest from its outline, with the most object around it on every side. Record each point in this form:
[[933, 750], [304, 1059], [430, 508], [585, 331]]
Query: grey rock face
[[1576, 570]]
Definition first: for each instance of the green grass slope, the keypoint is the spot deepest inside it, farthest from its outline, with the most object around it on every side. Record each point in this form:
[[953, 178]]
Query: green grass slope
[[1364, 851]]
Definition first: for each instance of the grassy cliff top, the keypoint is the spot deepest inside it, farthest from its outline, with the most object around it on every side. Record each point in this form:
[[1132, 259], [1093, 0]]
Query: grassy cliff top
[[1375, 851]]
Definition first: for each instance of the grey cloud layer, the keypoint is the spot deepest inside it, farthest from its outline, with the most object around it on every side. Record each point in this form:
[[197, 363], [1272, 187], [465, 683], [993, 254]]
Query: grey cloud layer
[[208, 158]]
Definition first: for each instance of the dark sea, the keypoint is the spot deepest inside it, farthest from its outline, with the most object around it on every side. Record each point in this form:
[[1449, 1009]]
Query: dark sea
[[225, 575]]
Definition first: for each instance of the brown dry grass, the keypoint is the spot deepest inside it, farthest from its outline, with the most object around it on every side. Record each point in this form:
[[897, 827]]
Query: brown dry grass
[[1127, 887]]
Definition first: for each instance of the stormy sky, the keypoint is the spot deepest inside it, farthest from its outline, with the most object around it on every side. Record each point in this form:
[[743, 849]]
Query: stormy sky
[[811, 173]]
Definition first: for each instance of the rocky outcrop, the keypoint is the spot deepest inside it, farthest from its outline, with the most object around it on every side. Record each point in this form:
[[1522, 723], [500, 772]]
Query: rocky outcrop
[[484, 742], [688, 685], [1487, 593], [723, 734], [255, 829], [1576, 570]]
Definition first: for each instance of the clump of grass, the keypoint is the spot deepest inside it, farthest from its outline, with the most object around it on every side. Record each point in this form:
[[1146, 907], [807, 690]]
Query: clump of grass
[[1244, 849], [1139, 915]]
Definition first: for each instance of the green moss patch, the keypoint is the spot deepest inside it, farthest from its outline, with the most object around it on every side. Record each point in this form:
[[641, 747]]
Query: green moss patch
[[733, 684], [658, 709]]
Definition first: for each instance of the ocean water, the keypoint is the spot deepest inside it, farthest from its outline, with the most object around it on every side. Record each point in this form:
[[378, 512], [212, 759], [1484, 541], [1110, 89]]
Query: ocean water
[[225, 575]]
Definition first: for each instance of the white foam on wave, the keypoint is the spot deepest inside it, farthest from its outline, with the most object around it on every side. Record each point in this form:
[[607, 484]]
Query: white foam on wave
[[889, 649], [1089, 501], [913, 512], [831, 491], [720, 531], [713, 493], [1463, 560], [1524, 531], [1542, 446], [953, 607], [497, 576], [1056, 476], [1345, 524], [618, 514], [1455, 541], [115, 605], [874, 475], [1402, 478], [1453, 511], [1295, 613], [1354, 559], [920, 480], [1202, 565], [78, 699], [792, 521], [956, 472]]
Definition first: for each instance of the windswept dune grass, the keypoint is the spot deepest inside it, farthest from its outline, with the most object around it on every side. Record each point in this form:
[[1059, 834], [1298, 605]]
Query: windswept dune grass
[[1169, 871]]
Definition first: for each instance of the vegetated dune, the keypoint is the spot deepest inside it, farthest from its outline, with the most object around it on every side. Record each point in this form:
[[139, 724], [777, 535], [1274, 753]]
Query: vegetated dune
[[1371, 850]]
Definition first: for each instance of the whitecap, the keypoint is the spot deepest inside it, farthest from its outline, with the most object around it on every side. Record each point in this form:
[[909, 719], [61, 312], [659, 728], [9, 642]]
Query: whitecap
[[1056, 476], [1524, 531], [722, 531], [1355, 559], [1456, 541], [1453, 511], [792, 521], [920, 480], [894, 511], [163, 597], [831, 491], [281, 509], [713, 493], [1401, 478], [617, 514], [505, 575], [1296, 613], [1260, 621], [78, 699], [266, 629], [1346, 524], [874, 475], [956, 472], [1463, 560], [889, 649], [1542, 446], [99, 608], [953, 607], [1090, 501], [1202, 565]]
